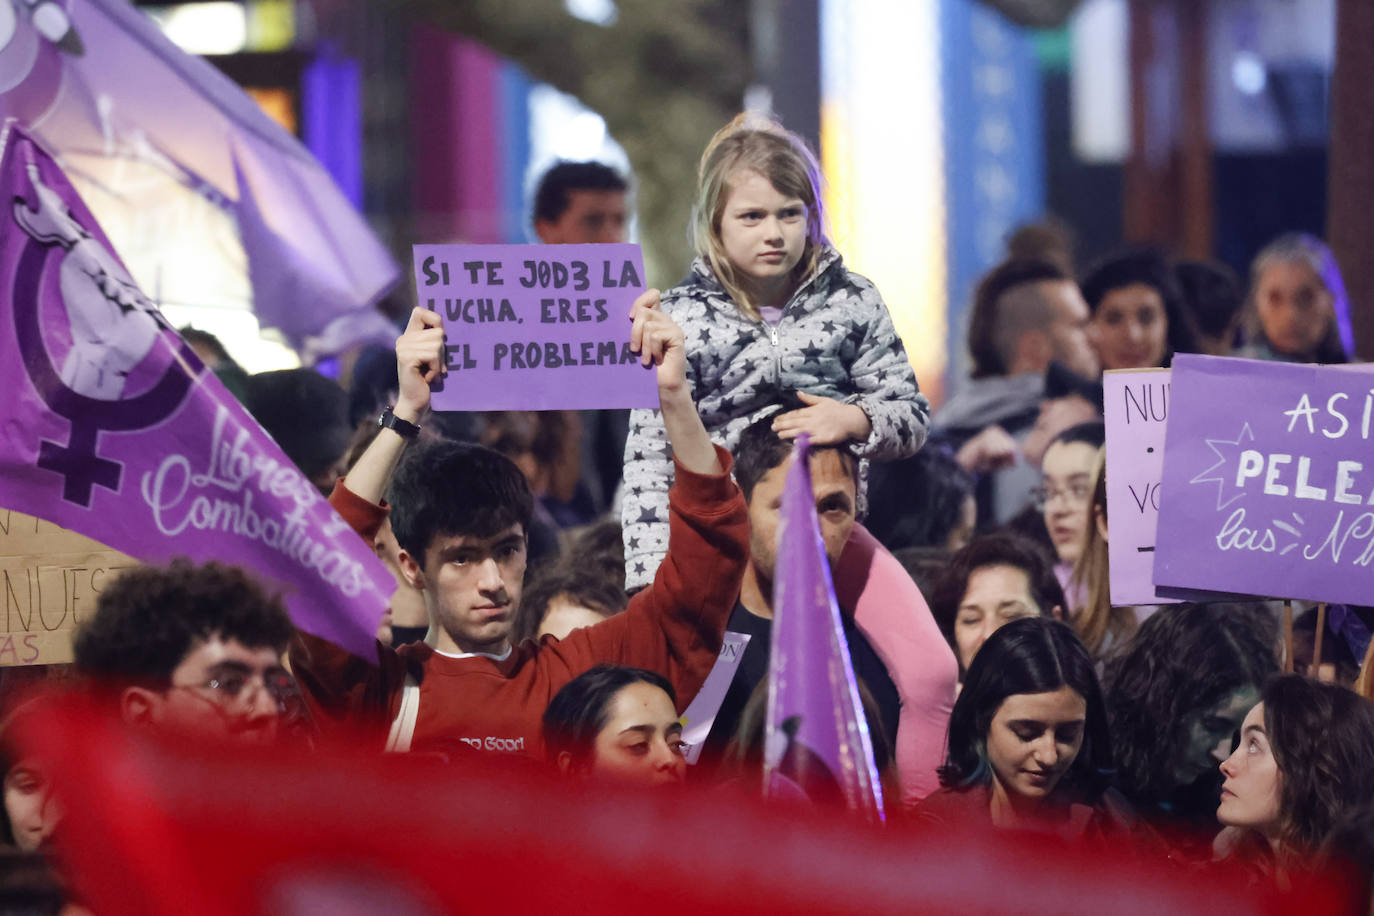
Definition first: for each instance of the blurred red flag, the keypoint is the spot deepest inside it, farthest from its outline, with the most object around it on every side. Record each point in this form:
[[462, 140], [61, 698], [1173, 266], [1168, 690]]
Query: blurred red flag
[[153, 829]]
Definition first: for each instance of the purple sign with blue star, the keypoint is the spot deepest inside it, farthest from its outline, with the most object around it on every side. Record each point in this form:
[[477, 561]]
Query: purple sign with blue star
[[1269, 476]]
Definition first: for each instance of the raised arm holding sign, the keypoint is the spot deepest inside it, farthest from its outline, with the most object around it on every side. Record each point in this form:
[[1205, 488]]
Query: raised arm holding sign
[[460, 512]]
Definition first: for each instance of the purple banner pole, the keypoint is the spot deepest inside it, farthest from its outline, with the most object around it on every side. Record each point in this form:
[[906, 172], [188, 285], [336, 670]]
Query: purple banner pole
[[816, 745], [111, 426]]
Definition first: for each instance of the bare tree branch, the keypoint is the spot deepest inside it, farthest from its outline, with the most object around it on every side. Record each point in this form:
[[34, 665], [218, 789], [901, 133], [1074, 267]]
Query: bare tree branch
[[664, 81]]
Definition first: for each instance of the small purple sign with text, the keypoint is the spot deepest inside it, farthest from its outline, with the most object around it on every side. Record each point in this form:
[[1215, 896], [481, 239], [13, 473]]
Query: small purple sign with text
[[536, 327], [1269, 469], [1136, 411]]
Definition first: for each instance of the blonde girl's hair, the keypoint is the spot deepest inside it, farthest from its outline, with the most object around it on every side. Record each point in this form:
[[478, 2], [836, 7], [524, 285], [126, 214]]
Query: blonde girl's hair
[[1096, 620], [755, 143]]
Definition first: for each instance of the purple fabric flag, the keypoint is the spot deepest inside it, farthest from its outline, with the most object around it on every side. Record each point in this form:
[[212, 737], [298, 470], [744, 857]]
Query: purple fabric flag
[[817, 744], [114, 429], [182, 167]]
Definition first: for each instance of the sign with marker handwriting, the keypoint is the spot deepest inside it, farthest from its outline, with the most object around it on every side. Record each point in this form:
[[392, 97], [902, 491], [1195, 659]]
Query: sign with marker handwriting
[[51, 578], [1269, 468], [536, 327], [1136, 411]]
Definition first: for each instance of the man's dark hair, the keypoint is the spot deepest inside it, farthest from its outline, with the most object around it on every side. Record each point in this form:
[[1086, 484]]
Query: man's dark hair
[[1146, 267], [551, 195], [455, 488], [917, 501], [581, 708], [581, 585], [1212, 295], [759, 449], [996, 549], [992, 329], [150, 618], [1030, 655], [1093, 432], [306, 413]]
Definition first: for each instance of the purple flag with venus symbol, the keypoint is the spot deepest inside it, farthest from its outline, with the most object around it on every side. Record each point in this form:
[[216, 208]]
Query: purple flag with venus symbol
[[816, 745], [112, 427]]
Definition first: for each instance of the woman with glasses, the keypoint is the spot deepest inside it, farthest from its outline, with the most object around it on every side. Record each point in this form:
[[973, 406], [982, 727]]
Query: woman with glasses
[[1064, 496]]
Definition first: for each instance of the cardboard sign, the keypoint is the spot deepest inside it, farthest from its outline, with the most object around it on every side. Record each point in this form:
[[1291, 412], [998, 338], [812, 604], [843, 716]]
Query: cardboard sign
[[1135, 408], [701, 713], [536, 327], [50, 577], [1269, 469]]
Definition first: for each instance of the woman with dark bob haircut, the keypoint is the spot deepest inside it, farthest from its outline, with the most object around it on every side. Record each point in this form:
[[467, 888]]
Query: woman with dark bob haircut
[[618, 724], [1028, 739], [1176, 698], [1303, 761]]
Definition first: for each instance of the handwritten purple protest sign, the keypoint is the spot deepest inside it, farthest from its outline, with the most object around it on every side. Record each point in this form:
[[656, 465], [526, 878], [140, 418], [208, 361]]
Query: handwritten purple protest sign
[[1136, 410], [112, 427], [816, 744], [536, 327], [1269, 470]]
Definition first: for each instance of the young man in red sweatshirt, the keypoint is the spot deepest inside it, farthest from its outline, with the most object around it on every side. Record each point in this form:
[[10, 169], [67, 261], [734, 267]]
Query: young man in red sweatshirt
[[459, 517]]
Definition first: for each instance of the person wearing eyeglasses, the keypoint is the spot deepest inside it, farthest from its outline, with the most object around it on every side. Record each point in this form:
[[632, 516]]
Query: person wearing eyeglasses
[[1064, 496], [192, 651]]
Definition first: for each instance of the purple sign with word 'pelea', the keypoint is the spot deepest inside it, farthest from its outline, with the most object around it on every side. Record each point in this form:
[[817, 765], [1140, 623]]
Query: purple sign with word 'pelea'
[[112, 427], [1269, 469], [536, 327]]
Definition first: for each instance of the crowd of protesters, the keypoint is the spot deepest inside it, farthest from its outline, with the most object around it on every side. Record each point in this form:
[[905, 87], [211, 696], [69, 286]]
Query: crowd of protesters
[[564, 580]]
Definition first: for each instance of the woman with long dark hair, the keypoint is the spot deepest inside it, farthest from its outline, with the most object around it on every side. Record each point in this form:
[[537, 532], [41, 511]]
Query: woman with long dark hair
[[1304, 761], [1029, 746]]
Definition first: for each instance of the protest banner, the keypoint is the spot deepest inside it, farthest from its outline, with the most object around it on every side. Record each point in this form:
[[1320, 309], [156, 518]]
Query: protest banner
[[816, 741], [1136, 410], [536, 327], [1269, 468], [51, 579], [115, 429]]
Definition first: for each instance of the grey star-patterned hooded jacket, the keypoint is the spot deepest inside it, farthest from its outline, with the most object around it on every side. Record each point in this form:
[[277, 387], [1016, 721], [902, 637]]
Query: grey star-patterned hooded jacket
[[835, 339]]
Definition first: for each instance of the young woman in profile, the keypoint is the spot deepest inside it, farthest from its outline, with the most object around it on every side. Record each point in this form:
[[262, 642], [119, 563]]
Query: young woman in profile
[[1303, 762], [1028, 741], [616, 724]]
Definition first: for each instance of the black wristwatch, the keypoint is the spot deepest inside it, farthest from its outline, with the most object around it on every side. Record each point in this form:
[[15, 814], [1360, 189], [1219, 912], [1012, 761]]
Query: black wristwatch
[[404, 428]]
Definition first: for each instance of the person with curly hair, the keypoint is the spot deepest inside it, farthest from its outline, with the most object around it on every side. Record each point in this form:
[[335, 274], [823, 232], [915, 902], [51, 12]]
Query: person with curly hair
[[1176, 698], [1303, 761], [191, 650]]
